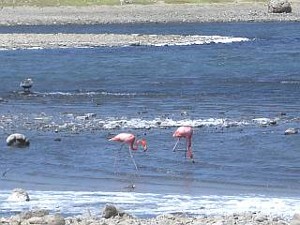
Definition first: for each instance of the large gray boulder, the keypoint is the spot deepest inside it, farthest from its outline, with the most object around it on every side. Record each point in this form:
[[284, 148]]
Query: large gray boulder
[[279, 6], [19, 195]]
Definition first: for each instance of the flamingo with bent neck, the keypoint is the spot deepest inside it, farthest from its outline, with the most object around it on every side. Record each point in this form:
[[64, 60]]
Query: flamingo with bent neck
[[187, 133], [128, 138]]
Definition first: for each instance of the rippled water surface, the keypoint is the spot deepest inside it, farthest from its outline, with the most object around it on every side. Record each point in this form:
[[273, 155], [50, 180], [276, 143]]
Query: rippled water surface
[[239, 98]]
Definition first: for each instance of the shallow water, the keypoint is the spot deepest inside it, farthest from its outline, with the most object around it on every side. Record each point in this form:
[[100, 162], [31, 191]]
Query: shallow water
[[232, 94]]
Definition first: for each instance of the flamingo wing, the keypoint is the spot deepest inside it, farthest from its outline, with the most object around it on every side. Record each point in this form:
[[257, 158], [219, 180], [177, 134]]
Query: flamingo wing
[[123, 137]]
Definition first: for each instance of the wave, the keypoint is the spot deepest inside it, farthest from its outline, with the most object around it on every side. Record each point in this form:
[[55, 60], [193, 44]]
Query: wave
[[92, 93], [197, 40], [150, 204], [293, 82], [77, 93]]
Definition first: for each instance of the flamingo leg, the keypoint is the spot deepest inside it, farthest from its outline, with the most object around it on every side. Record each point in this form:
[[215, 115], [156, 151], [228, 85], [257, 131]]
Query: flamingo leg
[[131, 156], [174, 148], [117, 155]]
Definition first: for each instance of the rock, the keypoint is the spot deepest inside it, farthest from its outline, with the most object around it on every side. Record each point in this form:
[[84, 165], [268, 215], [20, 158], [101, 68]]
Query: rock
[[40, 216], [34, 213], [291, 131], [36, 220], [26, 84], [296, 219], [56, 219], [261, 218], [17, 140], [109, 211], [19, 195], [279, 6]]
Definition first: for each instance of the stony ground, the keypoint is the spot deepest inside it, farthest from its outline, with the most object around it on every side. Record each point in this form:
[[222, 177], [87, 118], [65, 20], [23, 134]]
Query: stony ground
[[161, 13], [250, 218]]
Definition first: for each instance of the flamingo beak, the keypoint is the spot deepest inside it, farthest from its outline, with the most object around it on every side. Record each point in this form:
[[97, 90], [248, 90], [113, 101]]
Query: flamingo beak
[[144, 144]]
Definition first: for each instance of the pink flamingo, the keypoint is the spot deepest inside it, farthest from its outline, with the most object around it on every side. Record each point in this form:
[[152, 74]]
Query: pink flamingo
[[127, 138], [187, 133]]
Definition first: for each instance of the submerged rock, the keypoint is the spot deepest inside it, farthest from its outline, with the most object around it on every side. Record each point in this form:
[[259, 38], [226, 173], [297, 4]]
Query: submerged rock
[[19, 195], [17, 140], [26, 84], [291, 131]]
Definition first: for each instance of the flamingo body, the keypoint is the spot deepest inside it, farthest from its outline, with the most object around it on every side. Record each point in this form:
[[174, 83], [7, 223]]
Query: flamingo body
[[187, 133], [129, 139]]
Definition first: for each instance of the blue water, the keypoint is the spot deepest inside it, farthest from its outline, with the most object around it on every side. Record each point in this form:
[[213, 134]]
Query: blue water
[[229, 93]]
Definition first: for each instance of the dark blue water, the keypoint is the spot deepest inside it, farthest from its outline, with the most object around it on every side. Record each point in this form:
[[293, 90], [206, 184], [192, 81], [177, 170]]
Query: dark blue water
[[229, 93]]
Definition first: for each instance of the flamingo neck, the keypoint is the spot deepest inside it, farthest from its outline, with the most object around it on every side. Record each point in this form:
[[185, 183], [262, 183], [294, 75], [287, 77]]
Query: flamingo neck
[[134, 145]]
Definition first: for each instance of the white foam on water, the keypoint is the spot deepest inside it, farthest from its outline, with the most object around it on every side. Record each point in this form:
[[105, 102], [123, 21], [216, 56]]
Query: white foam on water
[[90, 93], [193, 40], [138, 123], [150, 204]]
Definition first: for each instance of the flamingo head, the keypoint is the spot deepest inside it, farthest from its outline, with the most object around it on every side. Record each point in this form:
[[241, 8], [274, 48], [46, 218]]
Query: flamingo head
[[143, 143]]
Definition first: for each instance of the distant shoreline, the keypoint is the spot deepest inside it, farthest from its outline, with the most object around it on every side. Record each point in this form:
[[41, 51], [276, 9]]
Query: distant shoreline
[[156, 13], [126, 14]]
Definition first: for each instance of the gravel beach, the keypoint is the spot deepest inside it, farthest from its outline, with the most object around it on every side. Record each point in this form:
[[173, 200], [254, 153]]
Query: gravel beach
[[249, 218], [157, 13]]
